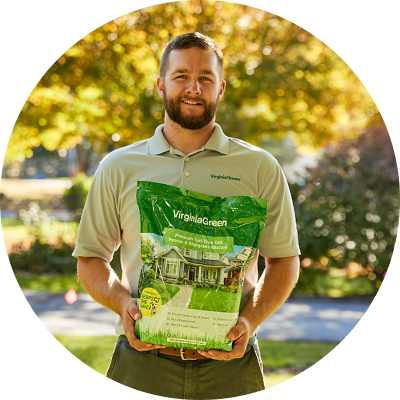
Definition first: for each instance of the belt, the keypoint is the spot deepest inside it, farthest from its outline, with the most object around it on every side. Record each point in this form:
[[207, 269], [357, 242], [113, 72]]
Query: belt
[[185, 354]]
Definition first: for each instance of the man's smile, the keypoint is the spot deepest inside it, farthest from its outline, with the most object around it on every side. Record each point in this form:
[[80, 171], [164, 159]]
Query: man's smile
[[191, 103]]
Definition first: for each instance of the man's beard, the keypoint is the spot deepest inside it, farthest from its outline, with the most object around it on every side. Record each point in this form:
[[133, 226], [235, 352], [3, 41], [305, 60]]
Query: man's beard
[[173, 109]]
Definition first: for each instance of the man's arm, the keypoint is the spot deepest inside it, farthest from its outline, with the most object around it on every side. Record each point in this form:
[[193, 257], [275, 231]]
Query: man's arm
[[273, 288], [104, 286]]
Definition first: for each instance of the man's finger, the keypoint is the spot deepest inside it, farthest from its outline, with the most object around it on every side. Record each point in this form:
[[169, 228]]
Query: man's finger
[[237, 331], [239, 347], [144, 346], [237, 352], [131, 315]]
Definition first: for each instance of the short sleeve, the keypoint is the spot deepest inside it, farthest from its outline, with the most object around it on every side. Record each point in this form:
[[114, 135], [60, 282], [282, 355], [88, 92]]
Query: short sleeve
[[99, 233], [279, 238]]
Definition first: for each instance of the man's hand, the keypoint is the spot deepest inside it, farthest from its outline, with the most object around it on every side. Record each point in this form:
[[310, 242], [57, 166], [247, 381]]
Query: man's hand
[[240, 335], [102, 283], [272, 290], [130, 313]]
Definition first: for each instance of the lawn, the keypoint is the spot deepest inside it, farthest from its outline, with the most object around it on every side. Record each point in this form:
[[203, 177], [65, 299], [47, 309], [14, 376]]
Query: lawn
[[278, 355], [214, 300], [54, 283], [96, 352], [166, 291], [14, 231], [11, 223]]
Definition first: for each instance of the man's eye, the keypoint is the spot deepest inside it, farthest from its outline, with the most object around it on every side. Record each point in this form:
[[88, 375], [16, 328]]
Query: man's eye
[[205, 78]]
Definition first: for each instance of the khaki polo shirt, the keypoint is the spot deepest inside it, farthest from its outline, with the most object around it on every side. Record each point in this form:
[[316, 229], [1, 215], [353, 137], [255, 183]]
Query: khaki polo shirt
[[223, 167]]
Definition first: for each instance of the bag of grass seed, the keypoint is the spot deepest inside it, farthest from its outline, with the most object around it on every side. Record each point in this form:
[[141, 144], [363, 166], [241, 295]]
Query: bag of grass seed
[[195, 250]]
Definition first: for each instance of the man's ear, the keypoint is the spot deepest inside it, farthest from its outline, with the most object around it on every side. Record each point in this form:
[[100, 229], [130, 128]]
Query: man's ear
[[160, 86], [222, 90]]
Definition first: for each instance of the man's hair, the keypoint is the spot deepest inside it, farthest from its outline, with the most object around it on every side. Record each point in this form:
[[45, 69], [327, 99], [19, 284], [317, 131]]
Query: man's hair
[[192, 39]]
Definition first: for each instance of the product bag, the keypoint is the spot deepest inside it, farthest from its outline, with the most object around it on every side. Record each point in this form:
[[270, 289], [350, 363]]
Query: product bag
[[195, 250]]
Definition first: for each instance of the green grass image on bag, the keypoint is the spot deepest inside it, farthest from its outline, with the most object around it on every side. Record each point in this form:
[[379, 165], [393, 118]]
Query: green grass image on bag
[[166, 291], [215, 300], [211, 343], [196, 249]]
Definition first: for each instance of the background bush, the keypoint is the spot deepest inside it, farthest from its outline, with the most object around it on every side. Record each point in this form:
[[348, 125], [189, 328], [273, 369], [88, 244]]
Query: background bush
[[75, 197], [44, 258], [51, 244], [347, 212]]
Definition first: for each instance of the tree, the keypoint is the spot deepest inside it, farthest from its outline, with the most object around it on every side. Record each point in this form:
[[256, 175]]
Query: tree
[[281, 81], [147, 251], [347, 209]]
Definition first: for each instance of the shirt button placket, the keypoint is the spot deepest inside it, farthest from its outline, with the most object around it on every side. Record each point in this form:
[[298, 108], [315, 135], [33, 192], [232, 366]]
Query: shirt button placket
[[186, 174]]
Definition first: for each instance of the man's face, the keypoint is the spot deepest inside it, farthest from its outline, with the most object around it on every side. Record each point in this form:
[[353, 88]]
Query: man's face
[[191, 88]]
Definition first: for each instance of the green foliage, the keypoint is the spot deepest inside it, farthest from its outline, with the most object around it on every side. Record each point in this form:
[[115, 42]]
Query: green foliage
[[231, 289], [43, 258], [43, 227], [51, 246], [101, 93], [147, 251], [151, 274], [317, 282], [181, 281], [75, 197], [347, 211]]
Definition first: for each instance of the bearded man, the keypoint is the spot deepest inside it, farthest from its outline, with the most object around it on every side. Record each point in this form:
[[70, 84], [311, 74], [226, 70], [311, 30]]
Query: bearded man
[[189, 151]]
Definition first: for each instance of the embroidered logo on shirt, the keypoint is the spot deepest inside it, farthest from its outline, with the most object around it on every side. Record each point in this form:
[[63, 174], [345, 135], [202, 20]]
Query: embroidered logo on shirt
[[224, 177]]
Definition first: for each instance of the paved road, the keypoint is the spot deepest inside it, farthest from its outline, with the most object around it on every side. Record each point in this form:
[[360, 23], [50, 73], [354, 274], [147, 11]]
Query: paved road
[[328, 320]]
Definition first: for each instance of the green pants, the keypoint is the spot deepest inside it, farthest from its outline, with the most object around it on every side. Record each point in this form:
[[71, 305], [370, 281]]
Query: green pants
[[170, 376]]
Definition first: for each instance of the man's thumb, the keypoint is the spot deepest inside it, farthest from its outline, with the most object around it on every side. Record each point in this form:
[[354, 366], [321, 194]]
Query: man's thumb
[[137, 316], [135, 312], [236, 332]]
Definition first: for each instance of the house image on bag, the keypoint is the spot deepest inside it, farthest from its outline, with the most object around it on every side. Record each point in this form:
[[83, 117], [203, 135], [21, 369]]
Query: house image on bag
[[198, 266], [191, 265], [234, 273]]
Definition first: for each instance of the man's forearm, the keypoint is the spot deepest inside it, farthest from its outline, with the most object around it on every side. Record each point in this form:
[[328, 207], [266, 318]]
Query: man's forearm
[[102, 283], [273, 288]]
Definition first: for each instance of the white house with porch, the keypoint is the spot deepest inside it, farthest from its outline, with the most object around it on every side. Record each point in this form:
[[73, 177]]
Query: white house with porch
[[191, 265], [197, 266]]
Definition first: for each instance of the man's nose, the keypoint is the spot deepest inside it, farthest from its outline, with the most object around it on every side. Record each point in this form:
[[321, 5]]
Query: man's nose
[[194, 87]]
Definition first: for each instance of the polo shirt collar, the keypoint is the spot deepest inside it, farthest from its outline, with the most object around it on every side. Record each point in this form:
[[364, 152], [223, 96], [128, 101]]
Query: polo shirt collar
[[218, 141], [157, 144]]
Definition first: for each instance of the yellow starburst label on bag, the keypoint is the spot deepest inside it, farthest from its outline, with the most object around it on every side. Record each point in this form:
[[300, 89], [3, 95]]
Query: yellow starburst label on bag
[[150, 302]]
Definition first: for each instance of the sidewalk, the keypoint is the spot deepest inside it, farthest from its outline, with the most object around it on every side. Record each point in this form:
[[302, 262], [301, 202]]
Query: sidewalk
[[325, 320]]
